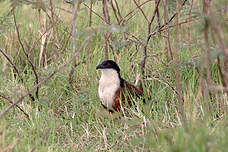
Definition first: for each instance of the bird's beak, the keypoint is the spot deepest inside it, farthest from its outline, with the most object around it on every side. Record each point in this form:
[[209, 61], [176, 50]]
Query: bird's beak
[[100, 66]]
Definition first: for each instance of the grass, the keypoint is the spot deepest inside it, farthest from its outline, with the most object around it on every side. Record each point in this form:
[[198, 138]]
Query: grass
[[72, 119]]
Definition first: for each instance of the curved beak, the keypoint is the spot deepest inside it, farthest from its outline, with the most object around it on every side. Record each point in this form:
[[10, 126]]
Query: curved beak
[[100, 66]]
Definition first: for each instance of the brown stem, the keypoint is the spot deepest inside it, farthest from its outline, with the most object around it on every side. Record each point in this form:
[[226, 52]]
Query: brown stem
[[115, 13], [143, 62], [143, 13], [177, 76], [11, 101], [189, 33], [105, 11], [23, 49], [55, 38], [218, 32], [132, 11], [174, 15], [169, 51], [107, 19], [207, 48], [90, 13], [13, 65], [171, 26], [95, 13], [45, 79], [158, 15], [76, 8], [118, 9], [107, 35]]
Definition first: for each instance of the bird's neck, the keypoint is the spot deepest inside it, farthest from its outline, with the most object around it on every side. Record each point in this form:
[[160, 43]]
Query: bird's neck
[[110, 77]]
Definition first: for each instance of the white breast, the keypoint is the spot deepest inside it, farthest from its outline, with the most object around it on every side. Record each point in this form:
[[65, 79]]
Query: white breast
[[108, 85]]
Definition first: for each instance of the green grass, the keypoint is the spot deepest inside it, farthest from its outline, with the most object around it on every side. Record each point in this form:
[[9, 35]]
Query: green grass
[[66, 118]]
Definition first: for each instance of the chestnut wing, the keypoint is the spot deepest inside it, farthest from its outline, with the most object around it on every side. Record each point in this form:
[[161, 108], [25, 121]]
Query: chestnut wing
[[124, 94]]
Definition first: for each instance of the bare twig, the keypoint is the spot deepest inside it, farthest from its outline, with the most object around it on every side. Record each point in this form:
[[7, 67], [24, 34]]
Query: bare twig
[[174, 15], [138, 40], [221, 73], [23, 49], [95, 12], [44, 37], [218, 32], [15, 68], [107, 19], [132, 11], [207, 49], [118, 10], [54, 33], [13, 65], [90, 13], [171, 26], [76, 8], [105, 11], [177, 77], [144, 15], [158, 16], [169, 51], [63, 9], [36, 42], [46, 79], [143, 62], [10, 101], [115, 13], [189, 34]]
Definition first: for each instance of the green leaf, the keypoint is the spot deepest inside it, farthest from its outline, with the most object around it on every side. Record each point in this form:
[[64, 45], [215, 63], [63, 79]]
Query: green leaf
[[102, 29], [120, 45]]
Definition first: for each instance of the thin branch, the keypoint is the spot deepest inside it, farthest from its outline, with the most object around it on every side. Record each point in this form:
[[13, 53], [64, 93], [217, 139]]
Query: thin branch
[[23, 49], [177, 76], [137, 39], [169, 50], [221, 73], [36, 42], [143, 62], [218, 32], [114, 11], [13, 65], [107, 19], [189, 33], [15, 68], [90, 13], [76, 8], [105, 11], [207, 49], [132, 11], [45, 79], [174, 15], [118, 10], [158, 16], [171, 26], [10, 101], [95, 12], [143, 13]]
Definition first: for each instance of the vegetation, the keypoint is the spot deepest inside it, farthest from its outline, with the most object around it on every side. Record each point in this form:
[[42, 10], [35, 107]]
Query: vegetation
[[48, 82]]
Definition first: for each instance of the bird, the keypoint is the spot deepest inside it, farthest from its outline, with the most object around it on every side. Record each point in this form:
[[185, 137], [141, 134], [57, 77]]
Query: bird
[[115, 92]]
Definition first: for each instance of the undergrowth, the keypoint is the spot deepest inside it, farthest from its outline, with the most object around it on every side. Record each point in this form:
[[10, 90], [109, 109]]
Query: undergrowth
[[70, 117]]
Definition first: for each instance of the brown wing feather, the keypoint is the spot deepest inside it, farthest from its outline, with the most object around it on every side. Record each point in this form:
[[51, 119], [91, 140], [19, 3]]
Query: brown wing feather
[[124, 94], [133, 90]]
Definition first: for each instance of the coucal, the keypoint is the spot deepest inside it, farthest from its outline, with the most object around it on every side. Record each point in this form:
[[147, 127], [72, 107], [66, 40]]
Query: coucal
[[113, 90]]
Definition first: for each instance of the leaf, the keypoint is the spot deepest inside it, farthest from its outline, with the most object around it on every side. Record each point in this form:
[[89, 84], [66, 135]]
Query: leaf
[[102, 29], [120, 45], [213, 54], [42, 4]]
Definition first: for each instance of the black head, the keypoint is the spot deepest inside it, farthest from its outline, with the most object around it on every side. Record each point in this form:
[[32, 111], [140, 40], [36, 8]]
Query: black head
[[108, 64]]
